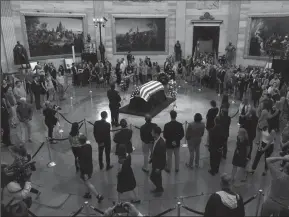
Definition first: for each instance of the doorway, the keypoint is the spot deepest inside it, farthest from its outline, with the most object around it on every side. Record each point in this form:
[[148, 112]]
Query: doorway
[[208, 38]]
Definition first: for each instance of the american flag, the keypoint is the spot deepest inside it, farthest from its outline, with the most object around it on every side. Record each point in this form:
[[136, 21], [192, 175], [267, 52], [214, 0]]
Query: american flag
[[147, 90]]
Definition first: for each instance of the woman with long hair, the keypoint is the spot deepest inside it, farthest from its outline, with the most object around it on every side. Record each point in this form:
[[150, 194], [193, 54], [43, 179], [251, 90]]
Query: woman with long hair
[[75, 146], [241, 153]]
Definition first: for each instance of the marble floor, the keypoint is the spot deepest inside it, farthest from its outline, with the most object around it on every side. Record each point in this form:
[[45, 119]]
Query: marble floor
[[62, 190]]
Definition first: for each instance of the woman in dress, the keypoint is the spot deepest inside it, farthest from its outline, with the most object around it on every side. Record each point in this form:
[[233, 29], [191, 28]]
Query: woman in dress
[[75, 147], [123, 137], [125, 178], [241, 153]]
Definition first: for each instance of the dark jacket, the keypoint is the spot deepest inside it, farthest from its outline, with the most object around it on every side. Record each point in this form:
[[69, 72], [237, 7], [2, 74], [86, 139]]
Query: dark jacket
[[101, 132], [225, 120], [211, 115], [250, 126], [49, 115], [216, 138], [123, 137], [173, 132], [158, 155], [85, 159], [220, 206], [114, 98], [146, 132]]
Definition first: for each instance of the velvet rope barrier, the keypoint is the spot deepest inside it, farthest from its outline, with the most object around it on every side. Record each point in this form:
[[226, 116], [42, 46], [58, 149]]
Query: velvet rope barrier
[[192, 210], [64, 118], [110, 130], [96, 210], [42, 144], [165, 212], [31, 213], [78, 211], [80, 126], [250, 199], [61, 139]]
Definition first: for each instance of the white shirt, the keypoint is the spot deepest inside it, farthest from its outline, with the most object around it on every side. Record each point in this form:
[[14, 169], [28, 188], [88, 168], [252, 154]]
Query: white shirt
[[122, 67], [60, 79], [19, 92], [155, 143]]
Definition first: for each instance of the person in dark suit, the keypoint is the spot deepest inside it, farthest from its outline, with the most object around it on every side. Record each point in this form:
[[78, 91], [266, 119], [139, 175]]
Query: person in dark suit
[[101, 132], [216, 142], [74, 74], [123, 137], [225, 123], [173, 134], [147, 140], [114, 104], [211, 115], [158, 160]]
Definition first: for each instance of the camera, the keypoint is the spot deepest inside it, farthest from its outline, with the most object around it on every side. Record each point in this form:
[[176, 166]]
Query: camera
[[19, 173], [56, 107], [121, 209]]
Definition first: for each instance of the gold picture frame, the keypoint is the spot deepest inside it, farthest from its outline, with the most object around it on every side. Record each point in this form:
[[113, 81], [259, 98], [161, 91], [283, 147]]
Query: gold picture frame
[[138, 16], [82, 16]]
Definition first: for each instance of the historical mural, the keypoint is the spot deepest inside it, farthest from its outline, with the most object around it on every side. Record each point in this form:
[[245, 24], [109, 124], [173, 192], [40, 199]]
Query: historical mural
[[140, 34], [48, 36], [266, 33]]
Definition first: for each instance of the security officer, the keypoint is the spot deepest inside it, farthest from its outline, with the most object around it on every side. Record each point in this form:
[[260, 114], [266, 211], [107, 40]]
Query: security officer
[[114, 104]]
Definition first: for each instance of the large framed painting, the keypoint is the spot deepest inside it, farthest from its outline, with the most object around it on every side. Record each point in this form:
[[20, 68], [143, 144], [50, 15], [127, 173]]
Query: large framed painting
[[262, 32], [52, 35], [140, 35]]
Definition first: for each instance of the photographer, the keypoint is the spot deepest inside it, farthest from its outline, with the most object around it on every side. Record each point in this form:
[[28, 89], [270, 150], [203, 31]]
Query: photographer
[[123, 208], [277, 201], [50, 120], [19, 172]]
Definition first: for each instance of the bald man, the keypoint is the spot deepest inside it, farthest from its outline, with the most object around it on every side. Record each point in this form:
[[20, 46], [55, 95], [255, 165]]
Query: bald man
[[147, 140]]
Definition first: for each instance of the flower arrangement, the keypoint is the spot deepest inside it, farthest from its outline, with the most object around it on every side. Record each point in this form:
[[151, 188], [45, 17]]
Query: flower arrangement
[[173, 90]]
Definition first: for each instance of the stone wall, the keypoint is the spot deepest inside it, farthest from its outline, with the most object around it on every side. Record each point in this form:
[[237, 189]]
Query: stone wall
[[255, 8], [117, 8]]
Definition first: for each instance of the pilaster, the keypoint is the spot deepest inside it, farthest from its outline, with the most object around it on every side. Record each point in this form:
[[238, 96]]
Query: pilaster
[[181, 23], [8, 34]]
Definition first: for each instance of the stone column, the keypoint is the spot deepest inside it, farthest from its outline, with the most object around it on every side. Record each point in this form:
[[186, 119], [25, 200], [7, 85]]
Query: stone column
[[233, 22], [181, 24], [98, 8], [8, 34]]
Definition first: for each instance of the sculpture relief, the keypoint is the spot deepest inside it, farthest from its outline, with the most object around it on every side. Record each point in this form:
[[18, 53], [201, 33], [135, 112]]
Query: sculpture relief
[[207, 5]]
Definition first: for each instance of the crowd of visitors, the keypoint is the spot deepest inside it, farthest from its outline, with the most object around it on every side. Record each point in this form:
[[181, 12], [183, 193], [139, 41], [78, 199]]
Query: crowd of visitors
[[263, 122]]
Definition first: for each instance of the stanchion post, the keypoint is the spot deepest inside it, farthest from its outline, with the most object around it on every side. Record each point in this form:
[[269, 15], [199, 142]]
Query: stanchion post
[[219, 94], [260, 195], [179, 209], [233, 101], [51, 163], [85, 127], [86, 207]]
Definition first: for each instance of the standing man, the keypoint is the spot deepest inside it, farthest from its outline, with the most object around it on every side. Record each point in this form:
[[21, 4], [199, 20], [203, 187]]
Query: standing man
[[225, 202], [118, 72], [178, 51], [173, 134], [147, 140], [225, 123], [129, 57], [5, 127], [101, 132], [216, 142], [158, 160], [102, 52], [24, 113], [74, 74], [114, 104]]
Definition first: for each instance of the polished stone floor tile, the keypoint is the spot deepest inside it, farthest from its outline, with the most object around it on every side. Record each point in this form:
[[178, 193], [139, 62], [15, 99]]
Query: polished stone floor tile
[[194, 185]]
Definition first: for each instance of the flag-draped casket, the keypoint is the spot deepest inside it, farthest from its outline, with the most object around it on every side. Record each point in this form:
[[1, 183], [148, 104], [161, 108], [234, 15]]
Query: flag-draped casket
[[147, 96]]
